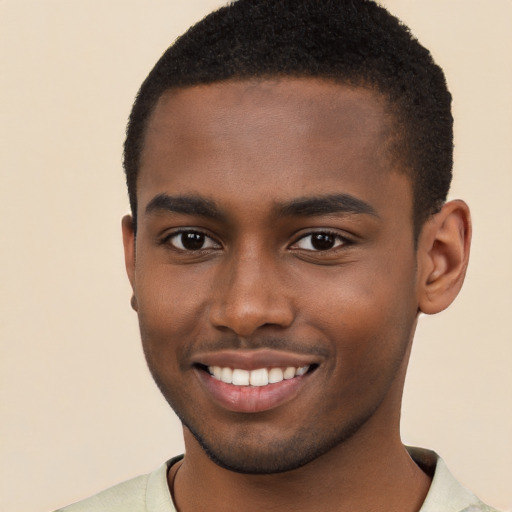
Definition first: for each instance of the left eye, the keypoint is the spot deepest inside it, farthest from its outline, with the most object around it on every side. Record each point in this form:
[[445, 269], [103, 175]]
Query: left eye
[[192, 241], [320, 241]]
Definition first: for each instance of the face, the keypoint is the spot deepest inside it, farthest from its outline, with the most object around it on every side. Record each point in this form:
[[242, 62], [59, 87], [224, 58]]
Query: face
[[274, 270]]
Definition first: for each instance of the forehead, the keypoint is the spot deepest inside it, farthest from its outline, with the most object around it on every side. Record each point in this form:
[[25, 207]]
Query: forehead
[[282, 137], [320, 101], [314, 107]]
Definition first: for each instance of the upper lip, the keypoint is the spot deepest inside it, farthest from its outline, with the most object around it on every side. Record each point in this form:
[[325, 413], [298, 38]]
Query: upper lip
[[254, 359]]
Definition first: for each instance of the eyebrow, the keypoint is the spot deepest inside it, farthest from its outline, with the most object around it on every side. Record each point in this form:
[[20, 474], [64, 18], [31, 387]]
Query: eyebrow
[[301, 207], [325, 205], [187, 205]]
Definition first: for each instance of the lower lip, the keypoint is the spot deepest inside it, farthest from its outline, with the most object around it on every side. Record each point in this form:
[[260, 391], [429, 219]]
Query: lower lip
[[251, 399]]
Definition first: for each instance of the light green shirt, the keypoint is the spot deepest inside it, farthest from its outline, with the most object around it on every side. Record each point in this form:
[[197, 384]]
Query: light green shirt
[[150, 493]]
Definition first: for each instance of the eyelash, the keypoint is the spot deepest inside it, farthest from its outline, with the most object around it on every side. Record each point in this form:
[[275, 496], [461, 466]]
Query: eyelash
[[167, 241], [339, 241]]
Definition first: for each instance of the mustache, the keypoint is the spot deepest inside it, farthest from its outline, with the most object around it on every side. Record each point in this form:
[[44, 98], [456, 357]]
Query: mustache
[[304, 347]]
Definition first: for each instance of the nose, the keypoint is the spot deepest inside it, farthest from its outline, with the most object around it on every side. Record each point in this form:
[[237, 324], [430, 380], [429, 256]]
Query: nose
[[251, 294]]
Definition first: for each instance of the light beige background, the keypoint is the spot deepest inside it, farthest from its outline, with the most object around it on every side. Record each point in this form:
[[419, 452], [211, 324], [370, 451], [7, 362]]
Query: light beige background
[[79, 411]]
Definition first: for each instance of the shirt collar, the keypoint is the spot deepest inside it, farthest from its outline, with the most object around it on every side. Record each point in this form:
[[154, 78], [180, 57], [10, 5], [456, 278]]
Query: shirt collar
[[445, 492]]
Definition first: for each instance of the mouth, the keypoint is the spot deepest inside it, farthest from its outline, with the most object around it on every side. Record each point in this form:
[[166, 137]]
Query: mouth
[[253, 382]]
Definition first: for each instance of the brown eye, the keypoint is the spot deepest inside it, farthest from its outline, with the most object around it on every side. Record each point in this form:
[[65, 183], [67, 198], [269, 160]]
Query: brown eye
[[192, 241], [320, 241]]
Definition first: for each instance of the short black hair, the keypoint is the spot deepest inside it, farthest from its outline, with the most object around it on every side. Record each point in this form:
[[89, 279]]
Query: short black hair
[[354, 42]]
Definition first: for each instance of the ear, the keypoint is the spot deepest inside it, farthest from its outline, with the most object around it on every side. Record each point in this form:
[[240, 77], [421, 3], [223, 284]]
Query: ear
[[129, 253], [443, 255]]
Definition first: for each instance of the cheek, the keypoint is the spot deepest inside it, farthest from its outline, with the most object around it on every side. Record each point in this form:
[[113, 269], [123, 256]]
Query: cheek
[[366, 311], [171, 305], [170, 293]]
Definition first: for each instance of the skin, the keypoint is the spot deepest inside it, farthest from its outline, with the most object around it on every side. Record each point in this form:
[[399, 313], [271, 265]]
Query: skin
[[250, 154]]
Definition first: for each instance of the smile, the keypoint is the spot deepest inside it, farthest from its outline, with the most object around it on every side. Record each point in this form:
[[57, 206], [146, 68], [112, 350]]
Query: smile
[[254, 381], [258, 377]]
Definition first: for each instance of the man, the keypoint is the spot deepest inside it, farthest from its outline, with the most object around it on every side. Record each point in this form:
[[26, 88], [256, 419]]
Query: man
[[288, 164]]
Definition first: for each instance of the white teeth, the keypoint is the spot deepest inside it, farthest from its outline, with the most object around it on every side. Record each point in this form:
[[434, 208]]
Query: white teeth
[[289, 373], [259, 377], [240, 377], [226, 375], [275, 375], [302, 370]]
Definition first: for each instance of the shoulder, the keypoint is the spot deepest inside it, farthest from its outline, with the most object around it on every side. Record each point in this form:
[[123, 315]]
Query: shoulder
[[140, 494], [446, 494], [129, 495], [480, 507]]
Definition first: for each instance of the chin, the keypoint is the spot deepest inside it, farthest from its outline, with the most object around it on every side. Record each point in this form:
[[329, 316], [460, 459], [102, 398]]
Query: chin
[[249, 454], [272, 459]]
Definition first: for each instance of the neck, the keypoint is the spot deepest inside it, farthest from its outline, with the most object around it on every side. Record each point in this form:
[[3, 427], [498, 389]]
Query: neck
[[363, 475]]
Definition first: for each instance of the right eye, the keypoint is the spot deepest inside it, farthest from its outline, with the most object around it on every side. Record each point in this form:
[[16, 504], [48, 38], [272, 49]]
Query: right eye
[[190, 240]]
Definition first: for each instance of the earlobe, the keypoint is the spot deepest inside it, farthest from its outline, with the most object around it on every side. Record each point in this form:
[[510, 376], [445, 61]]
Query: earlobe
[[134, 304], [443, 255], [129, 251]]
